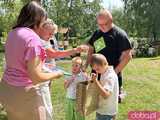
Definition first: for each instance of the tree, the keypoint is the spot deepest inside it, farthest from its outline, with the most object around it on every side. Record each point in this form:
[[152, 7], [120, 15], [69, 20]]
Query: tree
[[8, 14], [79, 15], [144, 17]]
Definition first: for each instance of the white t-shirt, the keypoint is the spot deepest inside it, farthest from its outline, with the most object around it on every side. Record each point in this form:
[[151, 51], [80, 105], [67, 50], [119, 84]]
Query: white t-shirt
[[109, 81], [71, 90], [45, 68], [46, 44]]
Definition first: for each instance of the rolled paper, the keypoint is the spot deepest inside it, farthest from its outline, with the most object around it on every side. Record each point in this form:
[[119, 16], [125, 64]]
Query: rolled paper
[[64, 72], [49, 68], [67, 73]]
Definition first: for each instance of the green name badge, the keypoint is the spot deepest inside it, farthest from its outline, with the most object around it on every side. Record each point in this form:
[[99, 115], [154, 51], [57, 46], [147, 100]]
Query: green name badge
[[99, 45]]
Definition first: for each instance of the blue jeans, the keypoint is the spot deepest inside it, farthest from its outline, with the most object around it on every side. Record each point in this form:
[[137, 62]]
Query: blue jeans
[[104, 117]]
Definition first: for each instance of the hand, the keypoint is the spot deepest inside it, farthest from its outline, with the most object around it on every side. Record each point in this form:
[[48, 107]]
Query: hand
[[59, 74], [79, 49], [116, 71], [67, 83], [76, 50], [94, 77], [82, 48]]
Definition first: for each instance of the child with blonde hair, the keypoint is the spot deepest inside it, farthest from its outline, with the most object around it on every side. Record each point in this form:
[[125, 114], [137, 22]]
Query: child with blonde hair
[[70, 84], [48, 29]]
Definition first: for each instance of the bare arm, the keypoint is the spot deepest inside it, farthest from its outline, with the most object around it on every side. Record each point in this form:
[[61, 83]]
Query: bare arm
[[67, 83], [124, 59], [103, 92], [34, 67], [51, 53]]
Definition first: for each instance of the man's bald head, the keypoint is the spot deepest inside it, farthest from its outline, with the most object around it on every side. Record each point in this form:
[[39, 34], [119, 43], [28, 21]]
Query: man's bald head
[[105, 14], [104, 20]]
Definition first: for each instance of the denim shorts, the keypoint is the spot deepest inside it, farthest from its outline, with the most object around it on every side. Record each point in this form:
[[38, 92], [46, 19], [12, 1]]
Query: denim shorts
[[104, 117]]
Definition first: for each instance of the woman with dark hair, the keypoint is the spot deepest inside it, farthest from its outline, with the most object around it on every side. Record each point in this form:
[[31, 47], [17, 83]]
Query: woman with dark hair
[[19, 90]]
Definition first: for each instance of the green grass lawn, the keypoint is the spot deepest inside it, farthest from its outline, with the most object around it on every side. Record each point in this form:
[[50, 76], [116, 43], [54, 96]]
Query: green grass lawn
[[141, 82]]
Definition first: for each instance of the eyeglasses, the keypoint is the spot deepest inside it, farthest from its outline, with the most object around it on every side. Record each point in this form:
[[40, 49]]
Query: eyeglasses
[[101, 24]]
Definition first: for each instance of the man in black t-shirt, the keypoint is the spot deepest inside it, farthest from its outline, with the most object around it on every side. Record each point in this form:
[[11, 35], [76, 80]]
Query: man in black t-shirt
[[115, 45]]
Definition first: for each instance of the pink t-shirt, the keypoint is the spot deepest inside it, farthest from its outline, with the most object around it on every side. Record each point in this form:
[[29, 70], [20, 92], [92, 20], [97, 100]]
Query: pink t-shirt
[[22, 45]]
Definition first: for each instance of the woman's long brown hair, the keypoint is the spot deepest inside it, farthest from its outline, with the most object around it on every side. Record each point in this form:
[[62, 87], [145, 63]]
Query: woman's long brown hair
[[31, 15]]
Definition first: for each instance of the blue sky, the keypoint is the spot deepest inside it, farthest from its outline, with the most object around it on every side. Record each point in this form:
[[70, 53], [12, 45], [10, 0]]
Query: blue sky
[[110, 4]]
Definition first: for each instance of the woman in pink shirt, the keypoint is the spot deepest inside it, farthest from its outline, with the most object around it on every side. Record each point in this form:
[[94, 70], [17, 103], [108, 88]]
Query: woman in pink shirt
[[19, 91]]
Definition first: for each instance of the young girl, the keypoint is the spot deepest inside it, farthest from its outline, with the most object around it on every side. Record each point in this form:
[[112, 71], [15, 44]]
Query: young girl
[[70, 85], [47, 32], [108, 88]]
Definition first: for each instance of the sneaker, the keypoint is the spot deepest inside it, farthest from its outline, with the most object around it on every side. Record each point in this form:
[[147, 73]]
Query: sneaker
[[122, 95]]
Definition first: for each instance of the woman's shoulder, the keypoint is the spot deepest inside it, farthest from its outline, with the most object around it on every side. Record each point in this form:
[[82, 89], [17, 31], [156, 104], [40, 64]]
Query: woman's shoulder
[[27, 35], [24, 32], [23, 36], [110, 73]]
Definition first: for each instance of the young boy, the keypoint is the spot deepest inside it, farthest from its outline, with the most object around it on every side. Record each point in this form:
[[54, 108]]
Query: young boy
[[70, 85], [108, 88]]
